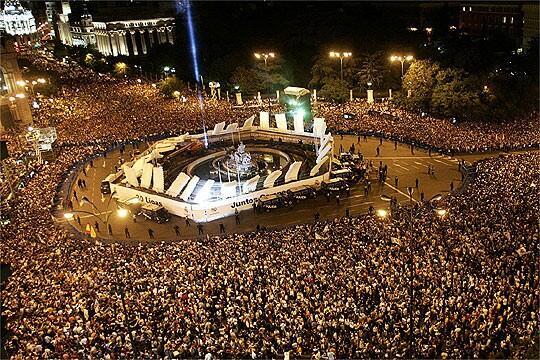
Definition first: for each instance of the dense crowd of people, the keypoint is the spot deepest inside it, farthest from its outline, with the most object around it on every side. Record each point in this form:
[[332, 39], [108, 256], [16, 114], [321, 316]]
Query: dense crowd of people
[[330, 289], [99, 108], [338, 287], [384, 119]]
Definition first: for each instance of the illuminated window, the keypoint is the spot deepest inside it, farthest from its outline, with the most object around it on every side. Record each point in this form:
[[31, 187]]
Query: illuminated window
[[463, 8], [511, 20], [504, 19]]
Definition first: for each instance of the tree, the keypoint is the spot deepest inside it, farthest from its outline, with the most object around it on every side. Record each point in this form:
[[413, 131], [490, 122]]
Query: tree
[[170, 85], [322, 71], [327, 69], [248, 80], [335, 89], [271, 76], [120, 69], [371, 70], [456, 95], [420, 80]]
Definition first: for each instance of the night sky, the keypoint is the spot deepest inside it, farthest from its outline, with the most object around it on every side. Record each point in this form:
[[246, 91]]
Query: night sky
[[229, 32]]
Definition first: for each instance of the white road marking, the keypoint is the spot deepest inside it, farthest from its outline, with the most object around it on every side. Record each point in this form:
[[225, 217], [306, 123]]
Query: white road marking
[[75, 212], [439, 161], [399, 191], [360, 204], [403, 167]]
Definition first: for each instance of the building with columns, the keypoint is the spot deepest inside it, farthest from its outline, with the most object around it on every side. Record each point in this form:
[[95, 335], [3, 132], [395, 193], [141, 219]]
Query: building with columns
[[117, 28], [133, 37]]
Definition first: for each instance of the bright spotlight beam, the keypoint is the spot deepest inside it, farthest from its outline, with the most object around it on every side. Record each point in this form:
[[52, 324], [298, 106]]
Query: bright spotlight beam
[[193, 47]]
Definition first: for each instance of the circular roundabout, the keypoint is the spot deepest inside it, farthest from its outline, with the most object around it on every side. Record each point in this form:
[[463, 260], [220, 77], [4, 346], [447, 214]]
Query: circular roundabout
[[204, 177]]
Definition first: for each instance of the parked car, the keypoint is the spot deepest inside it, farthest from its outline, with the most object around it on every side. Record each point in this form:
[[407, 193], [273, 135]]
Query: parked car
[[302, 193], [337, 185], [155, 213], [268, 203]]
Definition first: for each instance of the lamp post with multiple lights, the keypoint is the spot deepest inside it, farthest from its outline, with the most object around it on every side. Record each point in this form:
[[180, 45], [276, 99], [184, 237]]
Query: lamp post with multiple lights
[[402, 59], [340, 56], [266, 56]]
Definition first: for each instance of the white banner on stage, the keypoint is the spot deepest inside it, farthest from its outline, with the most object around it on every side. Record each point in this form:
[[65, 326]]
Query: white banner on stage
[[299, 123], [264, 119], [281, 122]]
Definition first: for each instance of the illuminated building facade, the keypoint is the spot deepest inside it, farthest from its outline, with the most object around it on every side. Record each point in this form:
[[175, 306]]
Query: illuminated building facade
[[117, 28], [14, 108], [16, 20]]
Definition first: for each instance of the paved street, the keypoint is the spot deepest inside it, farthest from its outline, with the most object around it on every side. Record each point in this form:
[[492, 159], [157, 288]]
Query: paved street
[[404, 165]]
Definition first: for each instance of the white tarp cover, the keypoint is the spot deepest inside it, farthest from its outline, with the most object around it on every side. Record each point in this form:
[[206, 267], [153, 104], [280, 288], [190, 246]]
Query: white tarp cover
[[316, 168], [299, 123], [319, 127], [326, 138], [251, 184], [292, 173], [157, 180], [146, 177], [249, 122], [161, 148], [228, 189], [264, 120], [131, 176], [232, 127], [280, 118], [189, 188], [271, 179], [204, 192], [281, 123], [139, 164], [178, 184], [295, 91], [175, 140], [327, 149], [218, 128]]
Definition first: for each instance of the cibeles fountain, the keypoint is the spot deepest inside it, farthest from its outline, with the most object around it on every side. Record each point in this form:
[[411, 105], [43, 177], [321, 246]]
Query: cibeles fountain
[[239, 165]]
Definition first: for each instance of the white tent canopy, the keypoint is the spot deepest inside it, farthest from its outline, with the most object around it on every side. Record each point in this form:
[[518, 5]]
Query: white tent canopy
[[292, 173], [271, 179], [204, 192], [146, 178], [251, 184], [295, 91], [189, 188], [131, 176], [178, 184], [317, 167], [157, 180]]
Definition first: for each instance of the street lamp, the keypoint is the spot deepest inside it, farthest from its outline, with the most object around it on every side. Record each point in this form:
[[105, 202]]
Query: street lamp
[[122, 212], [401, 59], [381, 213], [265, 57], [341, 56], [441, 212]]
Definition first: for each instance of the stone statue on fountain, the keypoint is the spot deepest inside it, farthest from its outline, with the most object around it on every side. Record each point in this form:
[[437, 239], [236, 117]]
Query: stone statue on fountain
[[241, 160]]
